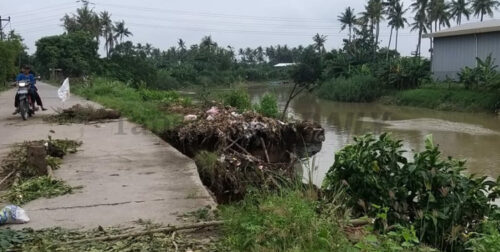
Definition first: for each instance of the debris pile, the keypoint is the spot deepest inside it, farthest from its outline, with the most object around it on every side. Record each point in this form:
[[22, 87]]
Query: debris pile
[[83, 114], [27, 171], [247, 149]]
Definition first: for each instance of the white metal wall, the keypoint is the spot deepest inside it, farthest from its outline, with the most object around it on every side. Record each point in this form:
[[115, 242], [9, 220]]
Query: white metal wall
[[451, 54]]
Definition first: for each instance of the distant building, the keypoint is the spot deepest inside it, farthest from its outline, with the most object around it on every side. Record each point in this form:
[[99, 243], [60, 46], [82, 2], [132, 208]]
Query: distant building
[[284, 64], [458, 47]]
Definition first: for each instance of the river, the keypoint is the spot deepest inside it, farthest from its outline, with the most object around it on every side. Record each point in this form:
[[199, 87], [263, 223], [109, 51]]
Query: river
[[471, 136]]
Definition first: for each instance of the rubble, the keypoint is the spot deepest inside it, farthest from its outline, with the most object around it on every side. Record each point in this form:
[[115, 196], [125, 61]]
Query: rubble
[[251, 150]]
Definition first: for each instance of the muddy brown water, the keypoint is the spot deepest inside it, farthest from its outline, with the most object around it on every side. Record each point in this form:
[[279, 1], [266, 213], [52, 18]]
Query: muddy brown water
[[471, 136]]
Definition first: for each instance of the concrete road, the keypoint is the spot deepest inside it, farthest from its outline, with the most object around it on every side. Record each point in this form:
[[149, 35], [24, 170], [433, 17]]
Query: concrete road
[[127, 173]]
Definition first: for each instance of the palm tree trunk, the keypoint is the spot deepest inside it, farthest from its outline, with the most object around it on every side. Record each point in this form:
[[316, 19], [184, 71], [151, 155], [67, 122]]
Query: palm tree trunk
[[419, 41], [389, 46], [390, 39], [481, 17], [378, 33], [397, 34], [350, 32]]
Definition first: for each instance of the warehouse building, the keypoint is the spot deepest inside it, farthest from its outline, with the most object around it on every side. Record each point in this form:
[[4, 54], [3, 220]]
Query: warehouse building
[[458, 47]]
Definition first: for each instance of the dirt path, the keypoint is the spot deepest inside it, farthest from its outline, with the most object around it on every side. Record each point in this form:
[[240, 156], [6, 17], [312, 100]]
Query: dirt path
[[126, 172]]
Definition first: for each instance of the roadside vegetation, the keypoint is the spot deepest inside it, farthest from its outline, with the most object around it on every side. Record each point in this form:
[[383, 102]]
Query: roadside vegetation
[[27, 170]]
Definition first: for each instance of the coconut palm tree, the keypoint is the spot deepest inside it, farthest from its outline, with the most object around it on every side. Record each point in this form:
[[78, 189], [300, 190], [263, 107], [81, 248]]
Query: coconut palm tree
[[373, 15], [347, 19], [319, 43], [106, 31], [481, 7], [419, 21], [181, 44], [85, 19], [438, 14], [396, 19], [121, 31], [459, 8]]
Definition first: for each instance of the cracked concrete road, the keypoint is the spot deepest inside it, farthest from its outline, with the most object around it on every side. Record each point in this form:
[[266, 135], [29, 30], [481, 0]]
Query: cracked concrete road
[[127, 173]]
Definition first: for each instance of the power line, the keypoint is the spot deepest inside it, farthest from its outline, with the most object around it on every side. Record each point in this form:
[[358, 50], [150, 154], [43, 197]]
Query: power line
[[42, 10], [216, 15]]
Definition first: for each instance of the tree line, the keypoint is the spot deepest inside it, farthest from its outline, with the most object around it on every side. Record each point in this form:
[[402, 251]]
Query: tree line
[[428, 16]]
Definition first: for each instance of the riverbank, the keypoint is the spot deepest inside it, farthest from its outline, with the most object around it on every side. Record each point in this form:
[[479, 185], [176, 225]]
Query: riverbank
[[445, 99], [277, 218]]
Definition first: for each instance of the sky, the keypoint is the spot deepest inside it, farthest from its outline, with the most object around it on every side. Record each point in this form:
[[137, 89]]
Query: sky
[[237, 23]]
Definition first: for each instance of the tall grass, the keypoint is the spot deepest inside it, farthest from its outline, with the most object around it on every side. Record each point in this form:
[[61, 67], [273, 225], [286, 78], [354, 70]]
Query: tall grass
[[359, 88], [140, 106], [285, 221], [447, 99]]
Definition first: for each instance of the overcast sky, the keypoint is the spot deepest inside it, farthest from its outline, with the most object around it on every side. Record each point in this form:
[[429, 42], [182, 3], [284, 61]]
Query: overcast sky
[[230, 22]]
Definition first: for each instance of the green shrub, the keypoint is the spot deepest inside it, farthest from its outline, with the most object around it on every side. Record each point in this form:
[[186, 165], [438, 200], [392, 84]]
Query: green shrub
[[483, 76], [488, 240], [404, 73], [237, 98], [430, 193], [268, 106], [359, 88], [286, 222]]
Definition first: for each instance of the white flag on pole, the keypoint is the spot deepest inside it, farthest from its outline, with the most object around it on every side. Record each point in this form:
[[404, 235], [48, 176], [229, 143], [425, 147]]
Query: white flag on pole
[[63, 91]]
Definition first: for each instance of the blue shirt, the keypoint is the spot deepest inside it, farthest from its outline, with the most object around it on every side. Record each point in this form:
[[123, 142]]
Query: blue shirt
[[28, 78]]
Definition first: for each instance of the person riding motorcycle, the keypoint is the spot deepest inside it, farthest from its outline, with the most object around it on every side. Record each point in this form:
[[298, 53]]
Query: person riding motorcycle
[[27, 76]]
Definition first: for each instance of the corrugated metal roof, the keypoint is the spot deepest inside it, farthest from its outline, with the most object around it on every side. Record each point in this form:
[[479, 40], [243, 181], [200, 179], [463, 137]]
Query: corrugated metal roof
[[466, 29]]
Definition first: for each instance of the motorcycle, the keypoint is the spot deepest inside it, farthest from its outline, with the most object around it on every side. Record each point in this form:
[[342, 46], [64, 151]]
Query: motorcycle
[[26, 103]]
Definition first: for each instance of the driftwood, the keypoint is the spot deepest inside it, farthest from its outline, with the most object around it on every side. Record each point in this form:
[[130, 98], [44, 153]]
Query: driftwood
[[265, 149], [361, 222], [146, 232], [8, 176]]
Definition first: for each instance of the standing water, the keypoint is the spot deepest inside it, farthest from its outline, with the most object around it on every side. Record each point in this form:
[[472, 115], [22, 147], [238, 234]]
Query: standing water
[[471, 136]]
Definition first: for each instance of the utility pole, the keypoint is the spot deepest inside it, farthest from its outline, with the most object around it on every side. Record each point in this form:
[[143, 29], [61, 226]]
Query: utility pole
[[1, 26]]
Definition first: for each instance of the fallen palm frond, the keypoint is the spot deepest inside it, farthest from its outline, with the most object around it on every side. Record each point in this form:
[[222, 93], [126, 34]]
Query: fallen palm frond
[[149, 238]]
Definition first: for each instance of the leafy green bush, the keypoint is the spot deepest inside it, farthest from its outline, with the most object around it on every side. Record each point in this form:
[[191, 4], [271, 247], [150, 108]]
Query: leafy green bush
[[75, 53], [430, 193], [488, 240], [359, 88], [401, 239], [9, 52], [404, 73], [237, 98], [268, 106], [484, 75], [286, 222]]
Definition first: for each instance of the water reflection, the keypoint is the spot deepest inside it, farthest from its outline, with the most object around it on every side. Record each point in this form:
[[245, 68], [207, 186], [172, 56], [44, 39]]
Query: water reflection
[[471, 136]]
